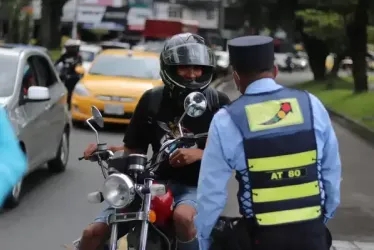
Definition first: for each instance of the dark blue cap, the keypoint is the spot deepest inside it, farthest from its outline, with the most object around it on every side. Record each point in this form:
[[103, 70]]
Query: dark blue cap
[[251, 53]]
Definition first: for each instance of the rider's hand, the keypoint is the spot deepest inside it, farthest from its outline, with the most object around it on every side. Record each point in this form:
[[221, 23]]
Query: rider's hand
[[93, 147], [89, 150], [185, 156]]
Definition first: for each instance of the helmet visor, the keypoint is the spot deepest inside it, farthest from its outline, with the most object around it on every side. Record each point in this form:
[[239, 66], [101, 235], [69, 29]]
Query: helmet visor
[[189, 54]]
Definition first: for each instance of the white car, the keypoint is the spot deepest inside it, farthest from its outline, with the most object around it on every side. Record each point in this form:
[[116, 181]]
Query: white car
[[35, 100], [88, 53]]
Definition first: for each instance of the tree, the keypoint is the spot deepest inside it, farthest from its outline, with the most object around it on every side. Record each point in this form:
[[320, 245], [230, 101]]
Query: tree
[[50, 35], [17, 19], [329, 28], [357, 34]]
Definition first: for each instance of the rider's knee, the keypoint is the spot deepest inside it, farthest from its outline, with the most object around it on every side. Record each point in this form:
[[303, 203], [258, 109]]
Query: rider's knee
[[184, 216], [94, 230]]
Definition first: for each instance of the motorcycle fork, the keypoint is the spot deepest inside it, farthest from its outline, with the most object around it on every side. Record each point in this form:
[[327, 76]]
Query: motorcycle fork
[[146, 208], [114, 235]]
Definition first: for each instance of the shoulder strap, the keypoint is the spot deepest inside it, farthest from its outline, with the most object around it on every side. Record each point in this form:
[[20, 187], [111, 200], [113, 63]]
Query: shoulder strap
[[211, 95], [154, 103]]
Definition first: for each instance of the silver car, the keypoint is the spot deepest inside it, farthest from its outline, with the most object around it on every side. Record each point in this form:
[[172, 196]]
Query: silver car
[[35, 100]]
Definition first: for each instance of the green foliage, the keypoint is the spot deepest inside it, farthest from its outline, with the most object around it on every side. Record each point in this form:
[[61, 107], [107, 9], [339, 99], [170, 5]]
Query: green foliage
[[321, 24], [370, 31], [328, 26]]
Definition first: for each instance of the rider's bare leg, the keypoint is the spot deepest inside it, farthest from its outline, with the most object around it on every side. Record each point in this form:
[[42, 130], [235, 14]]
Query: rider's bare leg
[[94, 236], [184, 226]]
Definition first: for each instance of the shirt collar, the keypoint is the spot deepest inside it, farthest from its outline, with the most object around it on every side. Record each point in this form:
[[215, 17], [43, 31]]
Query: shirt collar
[[262, 85]]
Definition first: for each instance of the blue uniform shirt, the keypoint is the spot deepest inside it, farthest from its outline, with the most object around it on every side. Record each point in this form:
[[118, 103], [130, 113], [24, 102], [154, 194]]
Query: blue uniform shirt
[[13, 163], [224, 153]]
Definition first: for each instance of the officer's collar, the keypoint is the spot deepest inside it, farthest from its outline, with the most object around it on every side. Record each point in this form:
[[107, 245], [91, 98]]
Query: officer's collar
[[262, 85]]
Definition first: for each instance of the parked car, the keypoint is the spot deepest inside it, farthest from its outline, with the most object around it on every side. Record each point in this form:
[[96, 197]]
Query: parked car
[[35, 100], [114, 84]]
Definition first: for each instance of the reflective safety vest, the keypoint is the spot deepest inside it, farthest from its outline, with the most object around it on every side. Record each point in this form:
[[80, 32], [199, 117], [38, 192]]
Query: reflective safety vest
[[281, 155]]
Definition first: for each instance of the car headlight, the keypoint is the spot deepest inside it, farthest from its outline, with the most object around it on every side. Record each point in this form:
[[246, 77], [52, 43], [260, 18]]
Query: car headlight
[[81, 90], [118, 190]]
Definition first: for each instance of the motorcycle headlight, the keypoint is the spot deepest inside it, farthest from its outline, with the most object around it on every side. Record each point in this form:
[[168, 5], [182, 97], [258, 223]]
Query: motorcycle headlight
[[118, 190], [81, 90]]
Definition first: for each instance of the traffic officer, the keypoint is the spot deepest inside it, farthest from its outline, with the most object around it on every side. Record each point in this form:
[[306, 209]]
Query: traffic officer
[[282, 145]]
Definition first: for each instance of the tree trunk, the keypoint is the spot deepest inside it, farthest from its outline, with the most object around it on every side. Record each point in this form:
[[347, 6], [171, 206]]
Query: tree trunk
[[357, 35], [50, 35], [317, 51], [286, 20], [335, 69], [254, 10]]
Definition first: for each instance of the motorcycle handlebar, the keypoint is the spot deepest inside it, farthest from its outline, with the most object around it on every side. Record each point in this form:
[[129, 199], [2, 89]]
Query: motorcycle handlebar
[[104, 155]]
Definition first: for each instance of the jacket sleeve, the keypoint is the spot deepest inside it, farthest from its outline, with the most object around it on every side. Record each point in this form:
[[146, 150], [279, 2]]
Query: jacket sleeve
[[13, 163]]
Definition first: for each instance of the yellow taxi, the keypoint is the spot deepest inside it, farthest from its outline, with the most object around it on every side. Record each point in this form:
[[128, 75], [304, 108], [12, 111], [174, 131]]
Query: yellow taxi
[[114, 84]]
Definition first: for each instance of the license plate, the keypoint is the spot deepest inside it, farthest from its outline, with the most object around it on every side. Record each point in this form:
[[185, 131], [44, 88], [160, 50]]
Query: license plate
[[114, 109]]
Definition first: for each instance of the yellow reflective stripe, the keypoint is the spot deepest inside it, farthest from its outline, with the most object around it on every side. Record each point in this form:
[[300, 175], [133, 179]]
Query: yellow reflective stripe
[[285, 193], [282, 161], [288, 216]]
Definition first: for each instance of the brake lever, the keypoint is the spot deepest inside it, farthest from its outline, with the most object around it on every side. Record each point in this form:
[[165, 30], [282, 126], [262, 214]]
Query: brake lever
[[94, 156]]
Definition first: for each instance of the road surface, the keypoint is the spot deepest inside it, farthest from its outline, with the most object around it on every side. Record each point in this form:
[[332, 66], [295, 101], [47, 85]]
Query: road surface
[[54, 209]]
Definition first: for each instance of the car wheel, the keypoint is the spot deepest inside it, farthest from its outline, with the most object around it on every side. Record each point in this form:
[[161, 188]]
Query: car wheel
[[14, 197], [59, 163]]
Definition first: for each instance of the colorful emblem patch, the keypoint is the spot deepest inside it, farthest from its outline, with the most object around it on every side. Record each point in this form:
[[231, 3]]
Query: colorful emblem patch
[[285, 108], [274, 114]]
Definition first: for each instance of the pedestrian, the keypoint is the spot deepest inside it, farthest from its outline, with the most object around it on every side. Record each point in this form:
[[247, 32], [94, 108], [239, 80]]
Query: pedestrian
[[13, 164], [282, 145]]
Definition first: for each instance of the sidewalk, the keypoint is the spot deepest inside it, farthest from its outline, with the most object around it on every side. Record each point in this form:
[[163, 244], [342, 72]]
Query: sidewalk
[[345, 245]]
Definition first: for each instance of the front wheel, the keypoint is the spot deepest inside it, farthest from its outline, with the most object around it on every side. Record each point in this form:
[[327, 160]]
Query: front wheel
[[14, 197], [58, 164]]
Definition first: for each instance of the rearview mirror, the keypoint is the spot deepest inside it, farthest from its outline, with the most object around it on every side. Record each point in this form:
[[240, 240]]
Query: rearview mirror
[[79, 70], [195, 104], [38, 94], [97, 117]]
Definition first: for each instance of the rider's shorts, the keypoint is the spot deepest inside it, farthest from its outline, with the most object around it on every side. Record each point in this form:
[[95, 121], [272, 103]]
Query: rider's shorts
[[183, 195]]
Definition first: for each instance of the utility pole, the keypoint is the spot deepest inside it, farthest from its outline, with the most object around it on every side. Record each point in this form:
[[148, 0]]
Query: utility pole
[[74, 31]]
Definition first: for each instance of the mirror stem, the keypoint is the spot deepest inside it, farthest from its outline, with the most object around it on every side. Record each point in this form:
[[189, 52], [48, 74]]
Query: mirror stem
[[92, 127], [180, 123]]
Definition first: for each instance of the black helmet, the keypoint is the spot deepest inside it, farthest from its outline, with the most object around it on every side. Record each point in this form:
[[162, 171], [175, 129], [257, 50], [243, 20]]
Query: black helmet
[[186, 49]]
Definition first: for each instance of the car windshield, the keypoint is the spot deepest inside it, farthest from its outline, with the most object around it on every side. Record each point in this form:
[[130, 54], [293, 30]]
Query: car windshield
[[87, 56], [8, 72], [126, 66]]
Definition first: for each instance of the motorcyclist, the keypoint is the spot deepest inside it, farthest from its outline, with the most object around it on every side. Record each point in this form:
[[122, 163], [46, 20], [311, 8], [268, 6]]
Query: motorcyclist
[[289, 63], [70, 60], [187, 65]]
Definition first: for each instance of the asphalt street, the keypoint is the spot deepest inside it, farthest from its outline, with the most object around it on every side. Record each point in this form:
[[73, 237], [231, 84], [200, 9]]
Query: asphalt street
[[54, 209]]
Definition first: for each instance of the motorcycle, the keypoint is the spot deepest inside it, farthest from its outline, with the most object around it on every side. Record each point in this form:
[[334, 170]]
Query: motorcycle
[[140, 203]]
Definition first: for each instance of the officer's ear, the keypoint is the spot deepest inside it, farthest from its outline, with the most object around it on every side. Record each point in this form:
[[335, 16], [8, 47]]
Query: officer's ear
[[275, 71]]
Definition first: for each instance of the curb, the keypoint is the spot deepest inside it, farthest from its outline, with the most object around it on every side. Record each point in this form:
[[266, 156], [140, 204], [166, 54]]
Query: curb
[[357, 128]]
